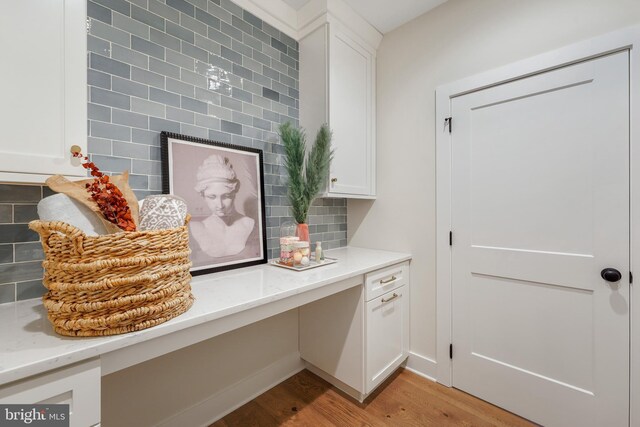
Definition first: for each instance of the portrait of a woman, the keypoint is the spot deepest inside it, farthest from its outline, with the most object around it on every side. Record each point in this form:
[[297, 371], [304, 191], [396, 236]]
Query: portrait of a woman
[[222, 185]]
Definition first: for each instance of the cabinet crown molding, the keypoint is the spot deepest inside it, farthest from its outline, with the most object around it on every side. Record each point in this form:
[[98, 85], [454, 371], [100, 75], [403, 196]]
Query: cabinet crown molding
[[298, 24]]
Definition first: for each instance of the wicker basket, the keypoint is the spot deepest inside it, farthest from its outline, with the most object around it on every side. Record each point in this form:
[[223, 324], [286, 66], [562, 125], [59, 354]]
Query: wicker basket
[[114, 283]]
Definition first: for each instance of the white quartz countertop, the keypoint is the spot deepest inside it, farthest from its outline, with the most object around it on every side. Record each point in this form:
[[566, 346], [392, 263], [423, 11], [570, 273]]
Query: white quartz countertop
[[28, 345]]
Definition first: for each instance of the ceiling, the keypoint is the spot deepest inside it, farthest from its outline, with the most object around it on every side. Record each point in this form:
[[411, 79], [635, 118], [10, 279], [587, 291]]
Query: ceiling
[[385, 15]]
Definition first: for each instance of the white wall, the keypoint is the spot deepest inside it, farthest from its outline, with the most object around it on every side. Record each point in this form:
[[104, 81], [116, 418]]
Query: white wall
[[204, 378], [458, 39]]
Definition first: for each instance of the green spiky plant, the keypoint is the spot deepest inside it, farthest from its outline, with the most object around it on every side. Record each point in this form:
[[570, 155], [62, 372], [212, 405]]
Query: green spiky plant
[[307, 174]]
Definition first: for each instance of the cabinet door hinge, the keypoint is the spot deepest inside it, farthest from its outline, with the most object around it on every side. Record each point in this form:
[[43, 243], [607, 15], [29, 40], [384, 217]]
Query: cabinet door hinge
[[447, 122], [450, 238], [450, 351]]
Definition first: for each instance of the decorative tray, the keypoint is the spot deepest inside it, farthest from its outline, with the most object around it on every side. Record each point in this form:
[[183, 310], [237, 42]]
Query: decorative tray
[[312, 264]]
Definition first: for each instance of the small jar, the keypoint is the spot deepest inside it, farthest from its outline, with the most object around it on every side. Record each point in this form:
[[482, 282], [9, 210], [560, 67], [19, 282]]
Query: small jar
[[286, 250], [301, 253]]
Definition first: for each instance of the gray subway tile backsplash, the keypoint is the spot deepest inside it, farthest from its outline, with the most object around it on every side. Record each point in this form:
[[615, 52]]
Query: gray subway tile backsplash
[[110, 98], [215, 9], [99, 46], [151, 64], [112, 163], [252, 19], [231, 127], [130, 25], [160, 125], [231, 55], [195, 52], [20, 271], [207, 18], [7, 293], [98, 79], [182, 6], [164, 68], [30, 289], [164, 97], [180, 32], [160, 8], [99, 112], [193, 24], [121, 6], [96, 11], [112, 131], [193, 105], [144, 16], [107, 32], [147, 47], [6, 253], [130, 119], [23, 214], [129, 87], [231, 30], [110, 66], [10, 193], [164, 39], [146, 107], [30, 251], [6, 213]]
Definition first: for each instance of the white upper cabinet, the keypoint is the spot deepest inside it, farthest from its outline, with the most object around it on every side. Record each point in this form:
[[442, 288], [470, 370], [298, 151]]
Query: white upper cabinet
[[337, 87], [43, 83]]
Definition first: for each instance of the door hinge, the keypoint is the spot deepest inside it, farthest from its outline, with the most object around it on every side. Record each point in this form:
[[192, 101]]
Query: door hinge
[[630, 278], [447, 122], [450, 238], [450, 351]]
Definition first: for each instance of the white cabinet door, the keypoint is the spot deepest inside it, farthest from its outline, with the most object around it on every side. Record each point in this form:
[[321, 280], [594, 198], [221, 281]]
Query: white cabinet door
[[350, 104], [540, 200], [387, 335], [43, 86], [337, 87], [77, 386]]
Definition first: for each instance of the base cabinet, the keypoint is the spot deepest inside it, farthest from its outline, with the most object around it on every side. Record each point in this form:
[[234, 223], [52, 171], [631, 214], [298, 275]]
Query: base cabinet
[[77, 386], [387, 335], [357, 338]]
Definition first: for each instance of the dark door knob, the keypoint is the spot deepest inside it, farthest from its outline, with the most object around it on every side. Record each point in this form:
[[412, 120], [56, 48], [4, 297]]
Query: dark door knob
[[611, 275]]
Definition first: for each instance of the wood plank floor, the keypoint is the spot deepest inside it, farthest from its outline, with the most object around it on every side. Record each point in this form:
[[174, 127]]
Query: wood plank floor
[[405, 399]]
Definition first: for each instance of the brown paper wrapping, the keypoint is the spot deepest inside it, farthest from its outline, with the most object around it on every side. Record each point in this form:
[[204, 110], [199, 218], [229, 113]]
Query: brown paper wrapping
[[77, 191]]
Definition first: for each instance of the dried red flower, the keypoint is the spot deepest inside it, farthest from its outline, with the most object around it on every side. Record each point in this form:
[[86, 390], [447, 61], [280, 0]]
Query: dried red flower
[[109, 198]]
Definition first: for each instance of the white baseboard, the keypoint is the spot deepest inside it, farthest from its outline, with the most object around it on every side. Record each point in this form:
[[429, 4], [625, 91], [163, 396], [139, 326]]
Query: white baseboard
[[231, 398], [422, 366]]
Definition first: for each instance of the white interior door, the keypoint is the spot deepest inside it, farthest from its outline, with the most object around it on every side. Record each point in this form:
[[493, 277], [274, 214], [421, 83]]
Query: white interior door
[[540, 206]]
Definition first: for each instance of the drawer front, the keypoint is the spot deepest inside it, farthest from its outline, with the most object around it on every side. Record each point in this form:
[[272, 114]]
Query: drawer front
[[387, 279], [77, 386]]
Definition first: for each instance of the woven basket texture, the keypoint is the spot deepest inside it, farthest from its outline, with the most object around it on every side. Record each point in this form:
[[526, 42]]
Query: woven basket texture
[[114, 283]]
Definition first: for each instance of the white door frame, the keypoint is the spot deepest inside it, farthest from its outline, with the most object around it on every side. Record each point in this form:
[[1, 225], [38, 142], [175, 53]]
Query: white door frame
[[627, 38]]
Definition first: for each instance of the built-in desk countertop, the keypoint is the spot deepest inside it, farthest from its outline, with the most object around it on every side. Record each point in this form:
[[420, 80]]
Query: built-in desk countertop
[[223, 302]]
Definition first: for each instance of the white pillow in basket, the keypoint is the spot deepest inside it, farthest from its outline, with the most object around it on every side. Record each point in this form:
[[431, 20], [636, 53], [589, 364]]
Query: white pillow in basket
[[60, 207], [162, 211]]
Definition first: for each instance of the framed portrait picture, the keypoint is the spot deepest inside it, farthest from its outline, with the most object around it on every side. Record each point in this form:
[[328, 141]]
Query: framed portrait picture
[[223, 186]]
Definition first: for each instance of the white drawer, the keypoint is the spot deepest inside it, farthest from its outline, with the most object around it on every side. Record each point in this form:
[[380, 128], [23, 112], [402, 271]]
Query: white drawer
[[77, 386], [382, 281]]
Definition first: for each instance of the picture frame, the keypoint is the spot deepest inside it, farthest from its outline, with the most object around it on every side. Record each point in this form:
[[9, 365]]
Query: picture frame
[[223, 186]]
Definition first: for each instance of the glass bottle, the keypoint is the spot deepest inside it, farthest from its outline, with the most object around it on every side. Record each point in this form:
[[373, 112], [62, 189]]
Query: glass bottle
[[319, 252]]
